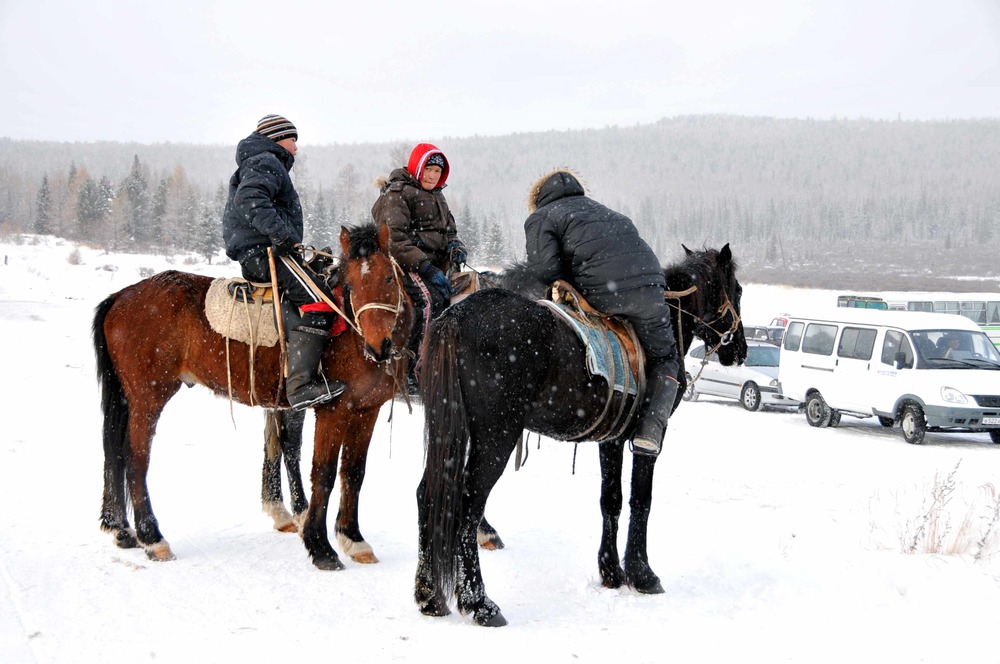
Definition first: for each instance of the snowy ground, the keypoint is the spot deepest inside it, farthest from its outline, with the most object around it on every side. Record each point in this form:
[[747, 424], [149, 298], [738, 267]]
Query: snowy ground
[[775, 542]]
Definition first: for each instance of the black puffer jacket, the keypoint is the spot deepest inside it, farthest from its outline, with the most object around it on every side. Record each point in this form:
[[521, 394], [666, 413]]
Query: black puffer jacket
[[263, 206], [420, 222], [572, 237]]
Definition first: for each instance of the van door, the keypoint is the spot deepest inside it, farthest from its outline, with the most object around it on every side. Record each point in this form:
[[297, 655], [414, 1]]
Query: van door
[[815, 361], [889, 379], [851, 389]]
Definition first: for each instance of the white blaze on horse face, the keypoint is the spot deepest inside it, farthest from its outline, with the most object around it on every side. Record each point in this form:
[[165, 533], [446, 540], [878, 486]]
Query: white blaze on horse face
[[364, 267]]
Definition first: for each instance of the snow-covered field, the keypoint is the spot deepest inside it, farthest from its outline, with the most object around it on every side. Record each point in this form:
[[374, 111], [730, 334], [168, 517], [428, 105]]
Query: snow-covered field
[[775, 542]]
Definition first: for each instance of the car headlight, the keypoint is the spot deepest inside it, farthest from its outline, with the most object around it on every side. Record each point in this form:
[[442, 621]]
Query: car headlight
[[951, 395], [774, 382]]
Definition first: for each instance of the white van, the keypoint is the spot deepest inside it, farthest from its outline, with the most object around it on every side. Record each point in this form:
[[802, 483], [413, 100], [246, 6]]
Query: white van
[[925, 371]]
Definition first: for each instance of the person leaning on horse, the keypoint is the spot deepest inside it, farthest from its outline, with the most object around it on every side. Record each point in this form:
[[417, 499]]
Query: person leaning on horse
[[262, 212], [599, 251], [424, 237]]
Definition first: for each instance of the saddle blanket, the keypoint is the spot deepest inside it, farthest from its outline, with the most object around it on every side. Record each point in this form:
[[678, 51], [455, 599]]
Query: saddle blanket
[[605, 355], [241, 321]]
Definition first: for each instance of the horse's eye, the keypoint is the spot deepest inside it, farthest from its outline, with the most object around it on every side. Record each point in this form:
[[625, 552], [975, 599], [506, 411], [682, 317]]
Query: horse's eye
[[388, 279]]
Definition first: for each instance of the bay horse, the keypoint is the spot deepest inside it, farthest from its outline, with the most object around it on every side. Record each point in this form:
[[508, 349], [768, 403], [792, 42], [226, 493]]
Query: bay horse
[[152, 337], [492, 364]]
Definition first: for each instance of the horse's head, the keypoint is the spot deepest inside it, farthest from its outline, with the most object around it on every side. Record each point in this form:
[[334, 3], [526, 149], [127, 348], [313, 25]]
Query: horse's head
[[712, 310], [373, 290]]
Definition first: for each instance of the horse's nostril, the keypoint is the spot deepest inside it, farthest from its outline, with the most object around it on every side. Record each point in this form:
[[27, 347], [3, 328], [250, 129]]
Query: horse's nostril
[[386, 347]]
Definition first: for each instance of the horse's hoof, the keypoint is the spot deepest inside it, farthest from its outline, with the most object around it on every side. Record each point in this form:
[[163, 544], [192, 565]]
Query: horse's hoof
[[331, 564], [613, 580], [649, 587], [435, 608], [491, 544], [360, 552], [160, 552], [490, 617], [125, 539]]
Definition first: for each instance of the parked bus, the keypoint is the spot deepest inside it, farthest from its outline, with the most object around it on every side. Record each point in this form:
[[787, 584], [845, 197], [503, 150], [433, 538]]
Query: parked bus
[[861, 302], [981, 308]]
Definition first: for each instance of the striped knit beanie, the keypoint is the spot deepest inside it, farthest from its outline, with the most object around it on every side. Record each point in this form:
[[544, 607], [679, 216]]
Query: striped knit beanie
[[277, 128]]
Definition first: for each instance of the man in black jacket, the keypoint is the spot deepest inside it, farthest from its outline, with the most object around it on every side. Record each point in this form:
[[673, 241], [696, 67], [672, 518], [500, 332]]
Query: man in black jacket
[[599, 251], [263, 211]]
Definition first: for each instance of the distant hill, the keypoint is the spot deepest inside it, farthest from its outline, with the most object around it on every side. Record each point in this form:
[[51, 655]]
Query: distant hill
[[823, 203]]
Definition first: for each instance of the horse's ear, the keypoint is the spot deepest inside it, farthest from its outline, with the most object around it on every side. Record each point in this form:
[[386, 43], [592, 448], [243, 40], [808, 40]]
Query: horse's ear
[[686, 250], [383, 237], [345, 241], [726, 255]]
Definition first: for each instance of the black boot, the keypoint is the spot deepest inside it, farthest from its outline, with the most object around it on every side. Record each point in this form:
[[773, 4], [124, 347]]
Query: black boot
[[306, 386], [661, 391]]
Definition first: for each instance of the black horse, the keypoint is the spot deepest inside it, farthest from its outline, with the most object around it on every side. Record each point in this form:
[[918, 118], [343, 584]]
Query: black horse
[[497, 363]]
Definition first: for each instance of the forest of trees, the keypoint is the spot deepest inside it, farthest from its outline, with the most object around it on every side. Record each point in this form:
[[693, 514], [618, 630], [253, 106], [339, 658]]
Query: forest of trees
[[825, 203]]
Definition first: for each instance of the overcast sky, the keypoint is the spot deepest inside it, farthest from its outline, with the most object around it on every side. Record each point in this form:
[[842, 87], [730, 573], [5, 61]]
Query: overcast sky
[[347, 71]]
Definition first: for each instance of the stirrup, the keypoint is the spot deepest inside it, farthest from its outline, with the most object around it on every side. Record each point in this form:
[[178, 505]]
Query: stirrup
[[645, 447], [332, 391]]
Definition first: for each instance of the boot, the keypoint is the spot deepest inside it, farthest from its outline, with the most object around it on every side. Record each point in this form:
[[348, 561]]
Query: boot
[[306, 385], [661, 391]]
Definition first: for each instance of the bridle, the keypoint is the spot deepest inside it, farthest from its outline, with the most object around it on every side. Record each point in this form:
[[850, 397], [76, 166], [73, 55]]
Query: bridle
[[396, 310], [725, 338]]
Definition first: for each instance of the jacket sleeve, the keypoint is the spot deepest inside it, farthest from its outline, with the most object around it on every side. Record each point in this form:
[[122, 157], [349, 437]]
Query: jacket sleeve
[[260, 183], [392, 209], [542, 248]]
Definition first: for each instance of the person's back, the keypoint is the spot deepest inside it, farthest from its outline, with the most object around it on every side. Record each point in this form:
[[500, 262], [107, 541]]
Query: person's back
[[572, 237]]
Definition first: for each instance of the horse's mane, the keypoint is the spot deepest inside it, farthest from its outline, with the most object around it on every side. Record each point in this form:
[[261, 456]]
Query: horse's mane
[[364, 240]]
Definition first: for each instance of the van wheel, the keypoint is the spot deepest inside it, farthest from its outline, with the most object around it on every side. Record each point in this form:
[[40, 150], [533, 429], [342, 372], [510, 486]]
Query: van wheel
[[887, 422], [817, 412], [690, 394], [913, 423], [995, 436], [750, 397]]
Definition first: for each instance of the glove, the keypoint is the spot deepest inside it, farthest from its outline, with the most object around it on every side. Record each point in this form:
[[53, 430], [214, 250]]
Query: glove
[[438, 280], [457, 252], [286, 248]]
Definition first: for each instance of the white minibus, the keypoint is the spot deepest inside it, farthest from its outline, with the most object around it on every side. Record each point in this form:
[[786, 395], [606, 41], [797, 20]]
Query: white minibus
[[923, 371]]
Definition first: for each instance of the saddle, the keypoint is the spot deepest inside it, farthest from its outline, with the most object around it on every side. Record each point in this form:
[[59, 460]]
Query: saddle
[[612, 351]]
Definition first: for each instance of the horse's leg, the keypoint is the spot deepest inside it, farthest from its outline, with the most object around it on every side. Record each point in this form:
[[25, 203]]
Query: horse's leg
[[638, 574], [488, 457], [608, 562], [488, 537], [292, 422], [352, 475], [271, 499], [142, 426], [332, 425]]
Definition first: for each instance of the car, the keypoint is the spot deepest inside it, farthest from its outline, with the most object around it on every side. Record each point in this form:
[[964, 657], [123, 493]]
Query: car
[[754, 383], [771, 334]]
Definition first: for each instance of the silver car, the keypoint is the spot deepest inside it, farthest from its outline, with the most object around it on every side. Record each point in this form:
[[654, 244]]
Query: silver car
[[754, 384]]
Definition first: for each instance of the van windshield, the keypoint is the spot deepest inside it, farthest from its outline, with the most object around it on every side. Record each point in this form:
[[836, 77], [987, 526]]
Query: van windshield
[[955, 349]]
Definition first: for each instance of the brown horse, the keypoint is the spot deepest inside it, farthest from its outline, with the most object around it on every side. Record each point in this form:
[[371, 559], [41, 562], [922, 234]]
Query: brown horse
[[152, 337]]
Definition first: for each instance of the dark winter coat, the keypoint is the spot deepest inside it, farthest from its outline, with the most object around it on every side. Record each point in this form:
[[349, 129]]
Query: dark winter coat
[[420, 223], [572, 237], [263, 207]]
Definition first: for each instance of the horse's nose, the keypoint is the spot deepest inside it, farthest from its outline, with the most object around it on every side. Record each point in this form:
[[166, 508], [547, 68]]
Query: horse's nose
[[384, 352]]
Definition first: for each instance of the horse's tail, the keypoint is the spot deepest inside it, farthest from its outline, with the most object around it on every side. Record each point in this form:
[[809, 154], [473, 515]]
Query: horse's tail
[[114, 405], [446, 435]]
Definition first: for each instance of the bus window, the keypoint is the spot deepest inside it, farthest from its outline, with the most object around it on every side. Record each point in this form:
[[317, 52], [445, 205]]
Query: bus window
[[923, 305], [993, 313], [946, 306], [975, 311]]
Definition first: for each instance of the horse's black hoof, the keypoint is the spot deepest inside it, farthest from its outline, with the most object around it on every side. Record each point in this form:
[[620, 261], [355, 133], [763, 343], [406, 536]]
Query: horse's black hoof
[[490, 618], [329, 563], [647, 586], [613, 579], [125, 539], [435, 608]]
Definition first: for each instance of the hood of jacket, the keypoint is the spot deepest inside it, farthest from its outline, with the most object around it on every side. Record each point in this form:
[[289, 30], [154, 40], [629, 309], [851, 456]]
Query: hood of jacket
[[256, 144], [418, 160], [552, 186]]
